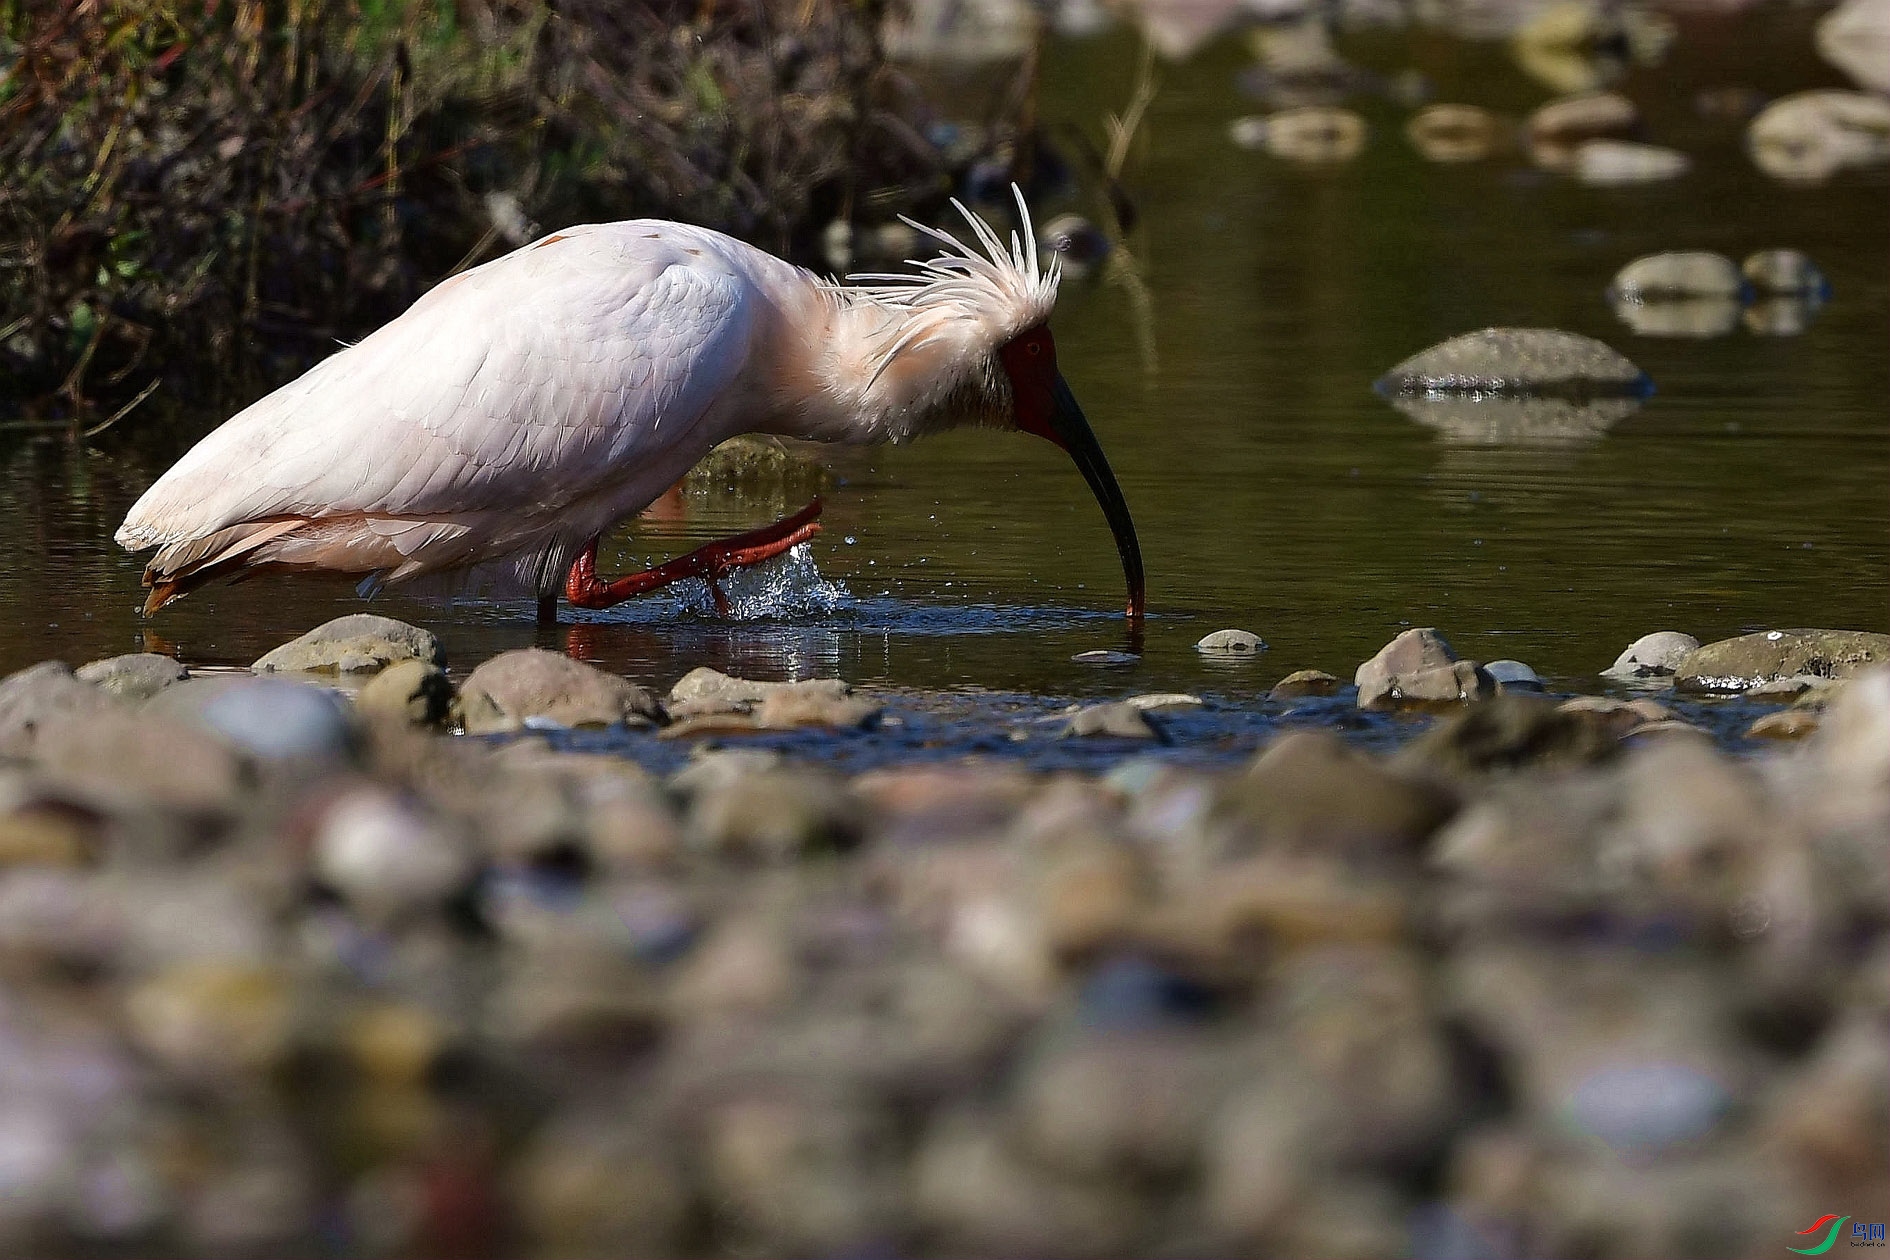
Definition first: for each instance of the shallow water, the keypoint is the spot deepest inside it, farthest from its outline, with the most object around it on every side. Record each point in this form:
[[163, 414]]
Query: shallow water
[[1273, 490]]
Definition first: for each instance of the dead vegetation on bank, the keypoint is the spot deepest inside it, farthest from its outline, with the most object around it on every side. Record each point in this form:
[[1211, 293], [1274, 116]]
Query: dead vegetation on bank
[[204, 196]]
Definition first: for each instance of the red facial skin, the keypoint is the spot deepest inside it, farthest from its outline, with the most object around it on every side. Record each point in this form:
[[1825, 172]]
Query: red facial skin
[[1030, 360]]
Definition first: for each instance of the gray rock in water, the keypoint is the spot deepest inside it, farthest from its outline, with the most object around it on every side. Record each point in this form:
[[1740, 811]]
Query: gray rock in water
[[1808, 137], [412, 692], [1166, 702], [39, 693], [1583, 116], [1514, 676], [1655, 655], [134, 676], [128, 760], [1456, 133], [1120, 721], [1735, 664], [1419, 667], [1231, 643], [1105, 656], [1517, 363], [1679, 317], [527, 684], [1786, 273], [711, 688], [1486, 420], [1311, 134], [359, 643], [1305, 682], [1678, 274]]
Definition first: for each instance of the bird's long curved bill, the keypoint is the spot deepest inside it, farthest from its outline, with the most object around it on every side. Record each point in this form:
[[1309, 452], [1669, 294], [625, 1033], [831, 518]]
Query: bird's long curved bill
[[1073, 434]]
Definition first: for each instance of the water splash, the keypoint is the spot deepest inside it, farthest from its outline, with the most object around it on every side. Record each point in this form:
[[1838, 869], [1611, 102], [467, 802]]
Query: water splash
[[790, 585]]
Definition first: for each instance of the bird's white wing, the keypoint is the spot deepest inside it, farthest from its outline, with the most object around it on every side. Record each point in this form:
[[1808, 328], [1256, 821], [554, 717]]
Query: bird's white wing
[[521, 385]]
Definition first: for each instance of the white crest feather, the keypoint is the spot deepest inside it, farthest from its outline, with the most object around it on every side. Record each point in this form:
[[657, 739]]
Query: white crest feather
[[1000, 291]]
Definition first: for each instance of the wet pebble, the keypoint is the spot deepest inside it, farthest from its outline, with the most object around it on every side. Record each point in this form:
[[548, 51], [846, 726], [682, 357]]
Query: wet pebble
[[1790, 724], [1786, 273], [1456, 133], [1513, 676], [513, 688], [1105, 656], [270, 718], [1230, 643], [1419, 667], [1302, 683], [1116, 721], [134, 677], [1165, 702], [1742, 662], [1809, 137], [1314, 135], [412, 692], [387, 858], [1652, 656], [1681, 274], [355, 644]]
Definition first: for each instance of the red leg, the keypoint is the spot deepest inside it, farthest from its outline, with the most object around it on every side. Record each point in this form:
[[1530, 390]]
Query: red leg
[[586, 590]]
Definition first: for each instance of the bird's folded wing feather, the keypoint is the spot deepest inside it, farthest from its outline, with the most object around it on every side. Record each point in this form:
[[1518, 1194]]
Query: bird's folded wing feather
[[521, 385]]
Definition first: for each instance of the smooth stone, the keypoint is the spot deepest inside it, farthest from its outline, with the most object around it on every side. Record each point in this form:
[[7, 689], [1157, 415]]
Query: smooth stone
[[1419, 667], [387, 857], [1810, 136], [1854, 739], [1165, 702], [135, 676], [1105, 656], [358, 643], [1790, 688], [1739, 663], [1231, 643], [1509, 732], [271, 718], [38, 693], [1513, 676], [1789, 724], [412, 692], [1303, 683], [1518, 361], [1619, 718], [704, 684], [129, 761], [773, 816], [1785, 272], [1618, 163], [798, 706], [1119, 721], [1855, 37], [1642, 1108], [1655, 655], [1311, 787], [1678, 274], [1314, 135], [512, 687], [1582, 116], [1456, 133]]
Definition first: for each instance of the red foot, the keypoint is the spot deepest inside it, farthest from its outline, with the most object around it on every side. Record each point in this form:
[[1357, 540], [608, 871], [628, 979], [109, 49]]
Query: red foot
[[586, 590]]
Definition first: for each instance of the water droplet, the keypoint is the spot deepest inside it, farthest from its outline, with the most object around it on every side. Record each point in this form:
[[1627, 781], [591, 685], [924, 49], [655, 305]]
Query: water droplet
[[851, 540]]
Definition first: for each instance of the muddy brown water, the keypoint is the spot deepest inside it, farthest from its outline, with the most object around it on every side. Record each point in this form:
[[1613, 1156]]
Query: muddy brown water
[[1274, 491]]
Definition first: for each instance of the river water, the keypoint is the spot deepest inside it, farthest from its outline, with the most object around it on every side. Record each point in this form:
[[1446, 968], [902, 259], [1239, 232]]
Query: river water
[[1274, 491]]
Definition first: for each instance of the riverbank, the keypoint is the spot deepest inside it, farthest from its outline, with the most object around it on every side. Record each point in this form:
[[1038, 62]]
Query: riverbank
[[287, 970]]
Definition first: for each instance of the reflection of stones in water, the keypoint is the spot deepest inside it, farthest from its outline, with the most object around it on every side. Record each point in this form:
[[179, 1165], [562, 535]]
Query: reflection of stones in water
[[1679, 317], [1781, 316], [1470, 420]]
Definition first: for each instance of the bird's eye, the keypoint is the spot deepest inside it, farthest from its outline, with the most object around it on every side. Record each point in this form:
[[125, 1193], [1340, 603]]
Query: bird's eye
[[1035, 347]]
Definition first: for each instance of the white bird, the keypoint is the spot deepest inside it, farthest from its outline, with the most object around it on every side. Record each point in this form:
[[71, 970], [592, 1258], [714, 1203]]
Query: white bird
[[497, 428]]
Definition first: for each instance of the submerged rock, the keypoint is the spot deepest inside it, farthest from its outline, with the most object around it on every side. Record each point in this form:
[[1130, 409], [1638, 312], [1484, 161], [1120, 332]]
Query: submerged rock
[[1736, 664], [531, 683], [1305, 682], [1786, 273], [1456, 133], [359, 643], [1781, 316], [1810, 136], [1315, 135], [1678, 274], [1583, 116], [1655, 655], [1119, 721], [1698, 317], [1230, 643], [1514, 676], [1517, 362], [135, 676], [1496, 420], [1509, 732]]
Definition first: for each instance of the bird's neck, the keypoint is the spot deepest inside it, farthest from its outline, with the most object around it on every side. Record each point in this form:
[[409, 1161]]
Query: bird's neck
[[865, 371]]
